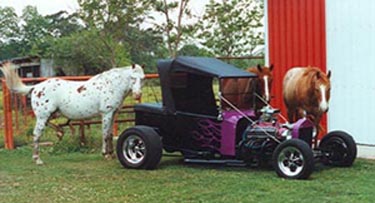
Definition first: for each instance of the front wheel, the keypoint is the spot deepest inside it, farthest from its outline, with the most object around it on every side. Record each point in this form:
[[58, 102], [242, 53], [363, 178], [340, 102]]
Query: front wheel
[[293, 159], [338, 149], [139, 147]]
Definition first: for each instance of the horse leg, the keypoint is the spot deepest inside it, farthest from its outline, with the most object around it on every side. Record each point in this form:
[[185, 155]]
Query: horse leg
[[82, 138], [319, 127], [59, 130], [39, 126], [107, 127], [300, 113], [290, 113], [290, 116]]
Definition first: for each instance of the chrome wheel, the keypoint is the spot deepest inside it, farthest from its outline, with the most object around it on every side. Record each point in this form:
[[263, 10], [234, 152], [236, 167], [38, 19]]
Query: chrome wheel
[[134, 149], [139, 147], [291, 161]]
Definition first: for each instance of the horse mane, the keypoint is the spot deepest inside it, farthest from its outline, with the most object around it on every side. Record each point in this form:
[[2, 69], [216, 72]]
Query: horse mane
[[311, 74], [133, 69], [137, 69], [253, 69], [258, 69]]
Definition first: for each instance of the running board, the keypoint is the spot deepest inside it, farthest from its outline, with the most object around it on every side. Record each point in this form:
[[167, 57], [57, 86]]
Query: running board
[[230, 162]]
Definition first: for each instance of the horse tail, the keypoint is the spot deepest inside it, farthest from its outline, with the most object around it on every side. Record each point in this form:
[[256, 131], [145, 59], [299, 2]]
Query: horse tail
[[14, 81]]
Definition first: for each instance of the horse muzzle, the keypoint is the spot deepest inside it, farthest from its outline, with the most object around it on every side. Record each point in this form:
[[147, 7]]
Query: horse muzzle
[[137, 96], [324, 110], [267, 99]]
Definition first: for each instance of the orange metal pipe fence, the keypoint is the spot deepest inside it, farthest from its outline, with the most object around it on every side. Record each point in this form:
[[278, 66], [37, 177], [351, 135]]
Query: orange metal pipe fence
[[8, 124], [7, 104], [8, 115]]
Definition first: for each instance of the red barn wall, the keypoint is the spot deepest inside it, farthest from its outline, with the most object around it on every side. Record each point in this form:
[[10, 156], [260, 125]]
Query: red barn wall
[[296, 37]]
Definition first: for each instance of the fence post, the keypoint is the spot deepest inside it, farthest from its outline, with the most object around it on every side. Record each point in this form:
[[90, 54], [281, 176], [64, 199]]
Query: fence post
[[8, 122]]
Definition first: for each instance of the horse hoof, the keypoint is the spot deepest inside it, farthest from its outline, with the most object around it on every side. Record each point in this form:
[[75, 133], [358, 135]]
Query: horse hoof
[[60, 135], [109, 156], [39, 162]]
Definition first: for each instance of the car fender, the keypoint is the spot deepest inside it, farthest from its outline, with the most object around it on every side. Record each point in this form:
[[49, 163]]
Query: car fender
[[301, 123]]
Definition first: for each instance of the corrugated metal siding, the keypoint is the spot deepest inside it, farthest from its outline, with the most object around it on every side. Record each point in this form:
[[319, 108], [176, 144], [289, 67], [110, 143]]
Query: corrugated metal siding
[[351, 56], [296, 37]]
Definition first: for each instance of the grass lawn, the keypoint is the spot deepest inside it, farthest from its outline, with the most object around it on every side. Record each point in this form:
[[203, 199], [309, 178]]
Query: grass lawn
[[80, 174], [87, 177]]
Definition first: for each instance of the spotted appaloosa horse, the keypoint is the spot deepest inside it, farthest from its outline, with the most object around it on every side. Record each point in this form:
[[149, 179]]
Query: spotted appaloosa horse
[[306, 93], [240, 92], [102, 95]]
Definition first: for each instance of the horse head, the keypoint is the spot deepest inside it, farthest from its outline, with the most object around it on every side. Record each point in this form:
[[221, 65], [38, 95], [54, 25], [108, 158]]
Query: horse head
[[265, 77], [322, 89], [137, 76]]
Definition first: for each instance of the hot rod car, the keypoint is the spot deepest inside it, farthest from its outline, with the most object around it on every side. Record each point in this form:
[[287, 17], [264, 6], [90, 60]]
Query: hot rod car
[[200, 119]]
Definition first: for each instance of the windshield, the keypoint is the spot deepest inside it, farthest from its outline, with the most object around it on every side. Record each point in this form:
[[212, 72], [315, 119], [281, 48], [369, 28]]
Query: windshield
[[239, 92], [193, 93]]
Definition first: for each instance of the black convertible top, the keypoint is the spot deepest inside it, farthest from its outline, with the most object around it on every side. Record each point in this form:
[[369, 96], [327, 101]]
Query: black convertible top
[[186, 83], [202, 66]]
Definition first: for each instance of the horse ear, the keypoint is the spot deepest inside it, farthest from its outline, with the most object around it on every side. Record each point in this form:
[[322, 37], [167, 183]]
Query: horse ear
[[259, 68], [143, 66], [133, 65], [329, 74], [271, 67], [318, 74]]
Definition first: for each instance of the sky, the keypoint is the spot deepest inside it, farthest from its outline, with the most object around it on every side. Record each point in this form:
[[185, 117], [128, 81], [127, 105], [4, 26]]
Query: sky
[[46, 7]]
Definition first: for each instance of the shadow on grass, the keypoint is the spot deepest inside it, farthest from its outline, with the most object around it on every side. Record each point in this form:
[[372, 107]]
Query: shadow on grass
[[226, 167], [266, 171], [176, 160]]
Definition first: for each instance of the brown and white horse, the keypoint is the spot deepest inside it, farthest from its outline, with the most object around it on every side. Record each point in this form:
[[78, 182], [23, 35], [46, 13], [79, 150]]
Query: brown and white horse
[[240, 91], [306, 93], [265, 75]]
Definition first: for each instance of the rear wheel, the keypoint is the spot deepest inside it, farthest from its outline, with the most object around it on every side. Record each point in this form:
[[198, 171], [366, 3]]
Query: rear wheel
[[293, 159], [338, 149], [139, 147]]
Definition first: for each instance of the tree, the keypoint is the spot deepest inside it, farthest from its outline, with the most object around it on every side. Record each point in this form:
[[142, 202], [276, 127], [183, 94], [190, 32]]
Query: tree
[[193, 50], [8, 24], [113, 19], [174, 30], [85, 53], [62, 24], [34, 32], [10, 49], [101, 35], [9, 34], [108, 14], [232, 27], [146, 46]]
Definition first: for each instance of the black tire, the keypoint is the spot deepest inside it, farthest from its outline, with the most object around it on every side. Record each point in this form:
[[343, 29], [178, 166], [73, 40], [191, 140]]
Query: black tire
[[338, 149], [139, 147], [293, 159]]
